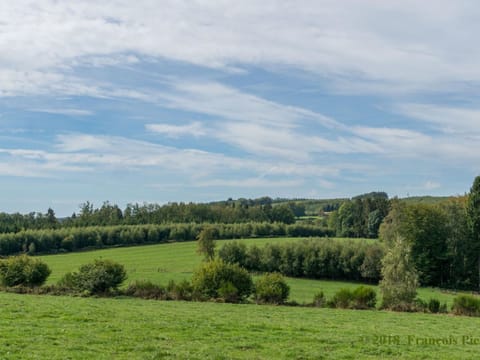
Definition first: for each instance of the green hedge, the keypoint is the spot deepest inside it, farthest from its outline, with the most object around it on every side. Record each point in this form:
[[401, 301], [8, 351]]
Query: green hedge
[[319, 258], [77, 238]]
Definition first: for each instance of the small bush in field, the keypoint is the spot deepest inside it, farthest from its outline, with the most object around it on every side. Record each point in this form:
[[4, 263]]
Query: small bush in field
[[146, 290], [181, 291], [23, 271], [466, 305], [363, 298], [319, 299], [216, 279], [98, 277], [271, 289], [341, 299], [433, 306], [360, 298]]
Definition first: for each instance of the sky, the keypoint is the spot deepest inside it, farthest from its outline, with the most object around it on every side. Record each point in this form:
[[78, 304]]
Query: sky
[[162, 101]]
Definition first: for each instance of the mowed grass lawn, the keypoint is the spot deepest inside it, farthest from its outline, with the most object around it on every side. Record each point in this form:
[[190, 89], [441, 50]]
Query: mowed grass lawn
[[57, 327], [176, 261]]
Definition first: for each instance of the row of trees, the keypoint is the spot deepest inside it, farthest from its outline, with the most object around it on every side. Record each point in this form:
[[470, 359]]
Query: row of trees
[[314, 258], [11, 223], [76, 238], [110, 214]]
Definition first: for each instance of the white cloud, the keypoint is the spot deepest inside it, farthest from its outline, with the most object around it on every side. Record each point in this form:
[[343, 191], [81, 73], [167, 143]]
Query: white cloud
[[251, 183], [195, 129], [405, 45], [68, 112], [453, 120]]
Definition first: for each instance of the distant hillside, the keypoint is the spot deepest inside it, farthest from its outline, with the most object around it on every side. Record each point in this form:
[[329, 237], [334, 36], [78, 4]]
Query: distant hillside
[[424, 199]]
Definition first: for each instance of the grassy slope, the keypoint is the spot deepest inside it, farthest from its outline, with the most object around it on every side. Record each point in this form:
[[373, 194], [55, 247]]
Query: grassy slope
[[164, 262], [41, 327]]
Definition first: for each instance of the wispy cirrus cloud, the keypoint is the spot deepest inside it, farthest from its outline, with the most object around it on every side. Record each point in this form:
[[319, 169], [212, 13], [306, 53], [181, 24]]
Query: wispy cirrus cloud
[[194, 129], [448, 119], [68, 112]]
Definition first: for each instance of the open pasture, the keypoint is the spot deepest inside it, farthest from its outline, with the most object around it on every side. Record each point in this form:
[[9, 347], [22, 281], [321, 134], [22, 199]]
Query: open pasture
[[57, 327], [176, 261]]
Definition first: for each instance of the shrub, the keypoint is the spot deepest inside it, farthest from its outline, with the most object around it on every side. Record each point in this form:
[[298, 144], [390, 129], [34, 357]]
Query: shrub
[[146, 290], [433, 306], [363, 298], [466, 305], [215, 277], [271, 288], [319, 299], [180, 291], [417, 305], [23, 271], [341, 299], [98, 277], [228, 292]]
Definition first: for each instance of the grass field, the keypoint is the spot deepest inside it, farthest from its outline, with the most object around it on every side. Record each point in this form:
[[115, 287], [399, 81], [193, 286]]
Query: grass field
[[176, 261], [49, 327]]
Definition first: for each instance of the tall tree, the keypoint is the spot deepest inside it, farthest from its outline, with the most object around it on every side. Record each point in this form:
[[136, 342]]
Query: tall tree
[[473, 220], [399, 276], [206, 242]]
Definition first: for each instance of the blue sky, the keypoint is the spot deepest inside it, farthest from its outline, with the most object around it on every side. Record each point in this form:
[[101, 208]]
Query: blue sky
[[158, 101]]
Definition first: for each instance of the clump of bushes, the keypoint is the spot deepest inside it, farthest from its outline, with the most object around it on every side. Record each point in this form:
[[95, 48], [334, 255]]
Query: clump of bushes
[[341, 299], [466, 305], [360, 298], [271, 288], [146, 290], [98, 277], [23, 271], [435, 307], [219, 280]]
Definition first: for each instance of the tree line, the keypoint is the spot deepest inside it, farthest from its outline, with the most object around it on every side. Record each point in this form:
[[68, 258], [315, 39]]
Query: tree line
[[78, 238], [135, 214], [322, 258]]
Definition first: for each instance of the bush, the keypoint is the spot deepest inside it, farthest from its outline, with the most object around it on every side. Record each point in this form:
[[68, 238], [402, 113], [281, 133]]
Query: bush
[[146, 290], [216, 278], [180, 291], [271, 289], [433, 306], [363, 298], [319, 299], [341, 299], [466, 305], [99, 277], [360, 298], [23, 271]]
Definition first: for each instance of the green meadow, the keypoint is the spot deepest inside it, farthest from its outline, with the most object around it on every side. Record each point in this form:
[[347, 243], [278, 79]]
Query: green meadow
[[176, 261], [63, 327], [58, 327]]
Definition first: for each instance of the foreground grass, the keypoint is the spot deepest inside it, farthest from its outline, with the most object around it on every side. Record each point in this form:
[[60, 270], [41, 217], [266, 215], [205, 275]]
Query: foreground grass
[[176, 261], [40, 327]]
